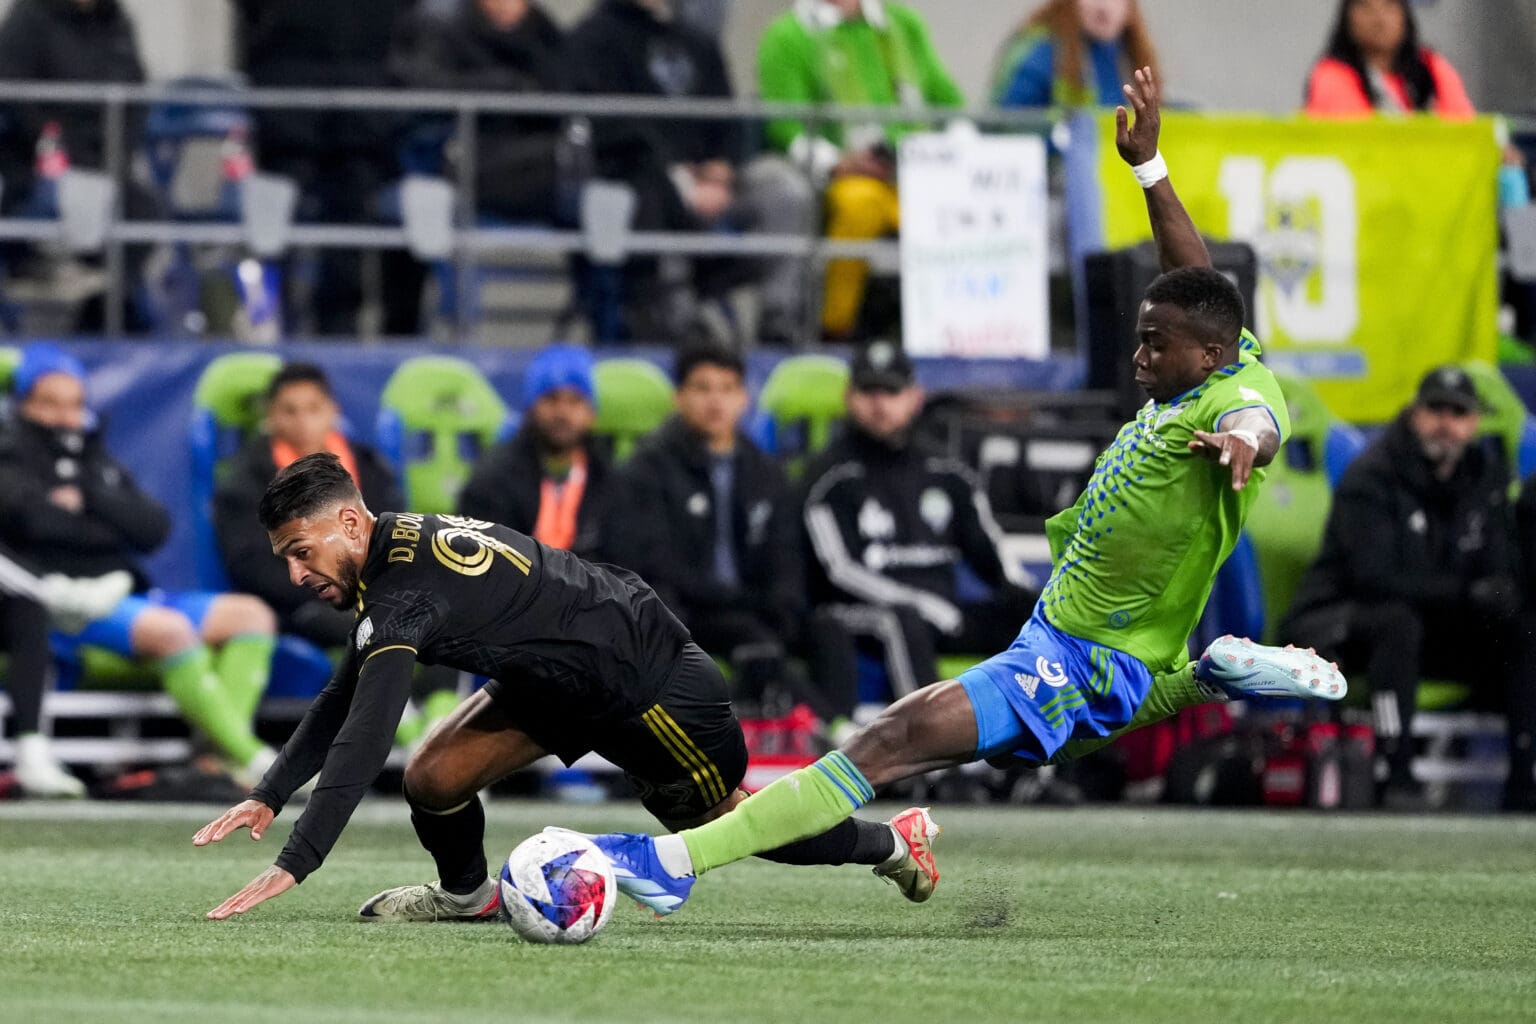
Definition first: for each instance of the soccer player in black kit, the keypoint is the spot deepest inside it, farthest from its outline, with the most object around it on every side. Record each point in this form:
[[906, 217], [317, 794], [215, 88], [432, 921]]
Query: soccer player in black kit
[[581, 657]]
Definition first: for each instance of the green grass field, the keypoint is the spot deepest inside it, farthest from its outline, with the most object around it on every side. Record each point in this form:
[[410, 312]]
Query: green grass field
[[1105, 915]]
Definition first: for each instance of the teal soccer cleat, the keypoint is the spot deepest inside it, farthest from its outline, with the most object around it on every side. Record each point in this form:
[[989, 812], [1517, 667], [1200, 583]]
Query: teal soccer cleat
[[1242, 668]]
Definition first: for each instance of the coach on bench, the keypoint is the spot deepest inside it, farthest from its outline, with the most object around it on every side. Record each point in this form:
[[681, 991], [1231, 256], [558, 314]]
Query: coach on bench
[[1418, 576]]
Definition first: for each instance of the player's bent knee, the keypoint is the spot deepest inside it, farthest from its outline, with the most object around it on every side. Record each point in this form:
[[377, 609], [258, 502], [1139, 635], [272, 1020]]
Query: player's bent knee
[[235, 614], [161, 632], [431, 786]]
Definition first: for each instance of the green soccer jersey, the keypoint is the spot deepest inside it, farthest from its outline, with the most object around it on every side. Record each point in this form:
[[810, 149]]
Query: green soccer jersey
[[1134, 560]]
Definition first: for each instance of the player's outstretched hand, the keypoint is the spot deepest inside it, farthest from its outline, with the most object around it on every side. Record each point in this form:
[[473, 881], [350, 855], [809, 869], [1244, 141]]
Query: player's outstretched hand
[[1227, 449], [1138, 142], [251, 814], [272, 882]]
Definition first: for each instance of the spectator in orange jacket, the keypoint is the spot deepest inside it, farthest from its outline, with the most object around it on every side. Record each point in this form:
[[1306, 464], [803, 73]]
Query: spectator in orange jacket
[[1375, 62]]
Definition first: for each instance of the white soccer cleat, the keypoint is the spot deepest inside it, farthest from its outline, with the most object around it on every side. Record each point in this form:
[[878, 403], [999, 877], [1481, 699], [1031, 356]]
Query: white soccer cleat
[[1242, 668], [431, 902], [39, 773], [915, 873]]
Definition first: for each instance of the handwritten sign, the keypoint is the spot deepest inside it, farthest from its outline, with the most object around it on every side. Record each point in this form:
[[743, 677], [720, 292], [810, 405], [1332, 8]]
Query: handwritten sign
[[974, 256]]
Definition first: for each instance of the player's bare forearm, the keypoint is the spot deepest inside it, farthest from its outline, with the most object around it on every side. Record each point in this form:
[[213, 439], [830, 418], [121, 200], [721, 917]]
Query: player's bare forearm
[[1178, 242], [1247, 440], [1261, 425]]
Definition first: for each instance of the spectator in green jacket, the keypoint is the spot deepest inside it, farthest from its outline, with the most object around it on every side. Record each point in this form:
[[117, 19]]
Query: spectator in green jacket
[[855, 53]]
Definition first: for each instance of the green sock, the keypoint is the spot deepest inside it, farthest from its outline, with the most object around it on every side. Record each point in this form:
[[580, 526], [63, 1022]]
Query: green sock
[[803, 803], [189, 679], [243, 666], [1171, 692]]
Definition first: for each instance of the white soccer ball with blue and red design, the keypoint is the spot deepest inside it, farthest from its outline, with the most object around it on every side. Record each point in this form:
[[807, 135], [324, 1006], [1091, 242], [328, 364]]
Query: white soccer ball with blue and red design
[[557, 887]]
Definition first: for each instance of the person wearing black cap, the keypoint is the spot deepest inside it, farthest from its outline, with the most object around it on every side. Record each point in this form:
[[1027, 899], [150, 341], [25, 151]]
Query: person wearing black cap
[[548, 480], [1417, 576], [302, 417], [890, 523]]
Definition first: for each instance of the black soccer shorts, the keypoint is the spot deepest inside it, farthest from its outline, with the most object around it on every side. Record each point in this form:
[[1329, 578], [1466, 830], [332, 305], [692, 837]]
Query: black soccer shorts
[[683, 752]]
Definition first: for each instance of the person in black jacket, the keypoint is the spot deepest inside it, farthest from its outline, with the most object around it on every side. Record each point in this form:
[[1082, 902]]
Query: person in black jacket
[[687, 174], [548, 480], [67, 506], [61, 41], [500, 46], [340, 158], [890, 524], [1418, 576], [70, 41], [709, 524], [302, 418]]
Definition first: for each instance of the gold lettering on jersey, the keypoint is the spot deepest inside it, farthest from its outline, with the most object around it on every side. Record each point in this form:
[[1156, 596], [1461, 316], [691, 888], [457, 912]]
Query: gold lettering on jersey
[[408, 529], [477, 561], [467, 523]]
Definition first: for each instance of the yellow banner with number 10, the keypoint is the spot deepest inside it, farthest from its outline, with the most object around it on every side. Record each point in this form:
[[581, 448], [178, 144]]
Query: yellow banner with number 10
[[1376, 240]]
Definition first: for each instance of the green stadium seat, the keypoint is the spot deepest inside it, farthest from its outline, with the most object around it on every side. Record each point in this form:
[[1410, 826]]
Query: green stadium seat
[[10, 358], [634, 397], [227, 407], [436, 415], [1286, 522], [804, 393]]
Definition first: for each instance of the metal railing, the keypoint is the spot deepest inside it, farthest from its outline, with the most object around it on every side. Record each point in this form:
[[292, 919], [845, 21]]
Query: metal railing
[[470, 241]]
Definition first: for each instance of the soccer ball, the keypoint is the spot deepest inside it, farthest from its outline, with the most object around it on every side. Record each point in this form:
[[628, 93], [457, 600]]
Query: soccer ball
[[557, 887]]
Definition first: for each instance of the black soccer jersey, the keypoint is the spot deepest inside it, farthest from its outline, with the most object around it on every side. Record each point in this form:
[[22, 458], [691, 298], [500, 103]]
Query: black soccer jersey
[[489, 600], [571, 643]]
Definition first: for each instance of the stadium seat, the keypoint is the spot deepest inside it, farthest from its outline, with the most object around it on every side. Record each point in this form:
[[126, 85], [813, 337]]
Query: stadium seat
[[10, 358], [1286, 522], [436, 415], [800, 402], [634, 397], [226, 408], [1505, 418]]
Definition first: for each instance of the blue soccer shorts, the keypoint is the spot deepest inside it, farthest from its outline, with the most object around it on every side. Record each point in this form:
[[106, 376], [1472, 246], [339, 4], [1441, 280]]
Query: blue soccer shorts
[[114, 630], [1048, 688]]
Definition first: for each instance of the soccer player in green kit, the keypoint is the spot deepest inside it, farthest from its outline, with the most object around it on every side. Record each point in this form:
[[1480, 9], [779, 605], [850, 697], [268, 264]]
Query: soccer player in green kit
[[1106, 649]]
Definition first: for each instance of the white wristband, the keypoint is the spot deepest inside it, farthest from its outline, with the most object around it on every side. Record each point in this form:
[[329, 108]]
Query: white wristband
[[1151, 172], [1246, 435]]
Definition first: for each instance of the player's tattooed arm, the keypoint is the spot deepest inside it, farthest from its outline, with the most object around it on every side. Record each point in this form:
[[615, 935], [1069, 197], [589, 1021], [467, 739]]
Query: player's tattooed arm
[[1178, 241], [1247, 439]]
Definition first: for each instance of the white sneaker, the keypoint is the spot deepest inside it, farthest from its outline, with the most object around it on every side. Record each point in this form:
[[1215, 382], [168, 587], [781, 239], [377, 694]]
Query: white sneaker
[[1242, 668], [39, 773], [75, 602], [431, 902]]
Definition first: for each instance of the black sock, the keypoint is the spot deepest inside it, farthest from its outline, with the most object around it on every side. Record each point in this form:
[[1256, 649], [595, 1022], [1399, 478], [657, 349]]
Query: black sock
[[850, 841], [456, 841]]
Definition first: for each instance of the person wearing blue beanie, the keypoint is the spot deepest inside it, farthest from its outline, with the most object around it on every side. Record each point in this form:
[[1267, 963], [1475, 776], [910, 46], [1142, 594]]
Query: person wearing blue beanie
[[37, 361], [548, 480]]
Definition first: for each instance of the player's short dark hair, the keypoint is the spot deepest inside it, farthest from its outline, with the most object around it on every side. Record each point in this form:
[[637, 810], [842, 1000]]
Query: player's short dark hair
[[701, 354], [309, 485], [299, 373], [1211, 301]]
